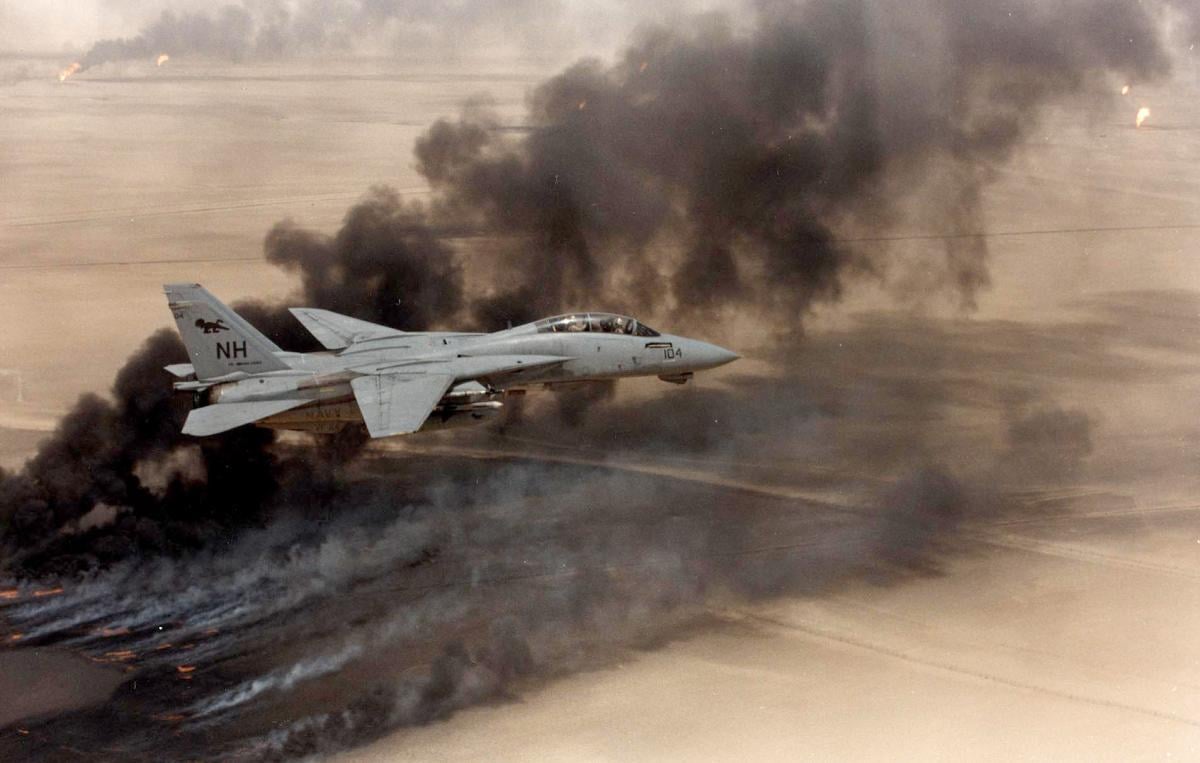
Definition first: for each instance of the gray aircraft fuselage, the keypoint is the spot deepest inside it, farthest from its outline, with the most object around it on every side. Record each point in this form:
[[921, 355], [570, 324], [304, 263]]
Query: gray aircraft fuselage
[[577, 347]]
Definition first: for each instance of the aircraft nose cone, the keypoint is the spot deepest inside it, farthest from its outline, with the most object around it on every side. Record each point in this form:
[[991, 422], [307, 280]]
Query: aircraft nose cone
[[710, 355]]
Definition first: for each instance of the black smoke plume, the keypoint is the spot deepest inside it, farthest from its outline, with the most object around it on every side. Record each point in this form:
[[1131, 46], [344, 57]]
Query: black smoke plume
[[258, 31], [710, 171], [226, 33], [384, 265]]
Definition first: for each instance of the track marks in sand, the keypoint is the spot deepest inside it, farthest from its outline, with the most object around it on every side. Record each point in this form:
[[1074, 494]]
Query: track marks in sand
[[914, 656]]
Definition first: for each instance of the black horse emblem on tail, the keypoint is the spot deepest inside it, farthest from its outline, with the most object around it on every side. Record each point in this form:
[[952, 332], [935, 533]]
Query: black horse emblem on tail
[[211, 327]]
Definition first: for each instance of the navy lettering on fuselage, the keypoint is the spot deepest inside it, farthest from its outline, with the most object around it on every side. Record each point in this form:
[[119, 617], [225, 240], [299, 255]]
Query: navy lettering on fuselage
[[231, 349]]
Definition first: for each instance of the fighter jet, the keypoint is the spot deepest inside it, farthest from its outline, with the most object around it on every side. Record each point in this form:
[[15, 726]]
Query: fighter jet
[[399, 382]]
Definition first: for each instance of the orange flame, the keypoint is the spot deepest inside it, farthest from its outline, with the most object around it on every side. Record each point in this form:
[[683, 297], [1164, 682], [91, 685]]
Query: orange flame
[[9, 594], [1142, 115], [16, 637], [162, 59], [48, 592], [169, 717], [62, 76], [109, 632], [185, 668], [122, 655], [1125, 90]]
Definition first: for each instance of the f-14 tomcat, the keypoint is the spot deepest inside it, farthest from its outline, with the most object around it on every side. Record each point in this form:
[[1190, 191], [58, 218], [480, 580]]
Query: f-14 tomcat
[[398, 382]]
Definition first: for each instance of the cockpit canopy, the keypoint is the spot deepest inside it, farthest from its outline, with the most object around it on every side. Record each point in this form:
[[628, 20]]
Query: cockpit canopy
[[606, 323]]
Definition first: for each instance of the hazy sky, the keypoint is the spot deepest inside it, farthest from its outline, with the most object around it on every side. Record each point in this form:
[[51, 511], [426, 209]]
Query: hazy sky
[[47, 26], [50, 25], [899, 171]]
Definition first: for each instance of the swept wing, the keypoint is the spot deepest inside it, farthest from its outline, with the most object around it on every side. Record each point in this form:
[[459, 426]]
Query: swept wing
[[393, 404], [336, 331], [396, 398]]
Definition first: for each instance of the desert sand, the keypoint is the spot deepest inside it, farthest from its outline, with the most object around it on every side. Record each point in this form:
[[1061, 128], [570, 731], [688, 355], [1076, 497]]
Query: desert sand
[[1067, 635]]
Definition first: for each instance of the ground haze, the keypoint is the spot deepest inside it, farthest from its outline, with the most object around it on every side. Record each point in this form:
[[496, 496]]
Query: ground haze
[[702, 573]]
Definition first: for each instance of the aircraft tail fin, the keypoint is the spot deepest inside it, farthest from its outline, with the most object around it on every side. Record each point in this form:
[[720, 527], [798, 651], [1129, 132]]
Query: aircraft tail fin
[[218, 340]]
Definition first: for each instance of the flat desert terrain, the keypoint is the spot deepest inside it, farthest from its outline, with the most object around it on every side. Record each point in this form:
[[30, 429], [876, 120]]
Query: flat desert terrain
[[1060, 627]]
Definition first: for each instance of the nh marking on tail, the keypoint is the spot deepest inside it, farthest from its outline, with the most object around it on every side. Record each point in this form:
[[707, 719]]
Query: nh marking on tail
[[231, 349]]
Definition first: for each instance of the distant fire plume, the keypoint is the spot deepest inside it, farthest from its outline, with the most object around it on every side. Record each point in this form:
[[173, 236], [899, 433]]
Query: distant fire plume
[[110, 632], [1142, 115], [162, 59], [121, 655], [74, 67]]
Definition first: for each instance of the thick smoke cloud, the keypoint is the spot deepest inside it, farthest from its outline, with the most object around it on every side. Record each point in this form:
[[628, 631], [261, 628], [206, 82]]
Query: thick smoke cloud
[[94, 459], [710, 171], [505, 575], [227, 33], [385, 264]]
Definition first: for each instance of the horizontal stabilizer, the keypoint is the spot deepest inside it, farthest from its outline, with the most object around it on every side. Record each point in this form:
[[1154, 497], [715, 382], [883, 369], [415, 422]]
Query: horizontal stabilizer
[[336, 331], [393, 404], [221, 417]]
